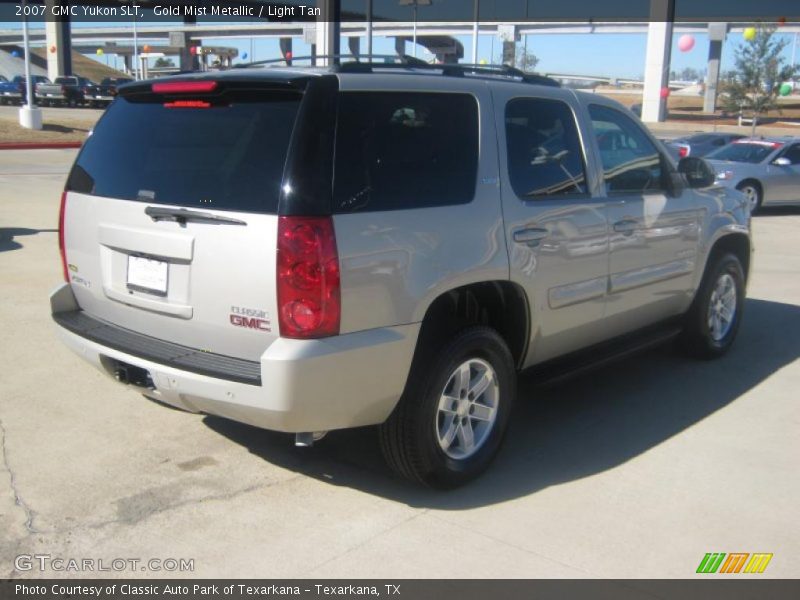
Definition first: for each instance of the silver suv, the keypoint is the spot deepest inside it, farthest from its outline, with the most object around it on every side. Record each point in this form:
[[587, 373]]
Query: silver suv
[[315, 249]]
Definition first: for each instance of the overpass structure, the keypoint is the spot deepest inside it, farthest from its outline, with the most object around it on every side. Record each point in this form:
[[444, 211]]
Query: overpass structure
[[438, 37]]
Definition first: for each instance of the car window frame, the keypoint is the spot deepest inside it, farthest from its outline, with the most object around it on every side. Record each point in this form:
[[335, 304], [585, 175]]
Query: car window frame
[[585, 162], [666, 167], [784, 151]]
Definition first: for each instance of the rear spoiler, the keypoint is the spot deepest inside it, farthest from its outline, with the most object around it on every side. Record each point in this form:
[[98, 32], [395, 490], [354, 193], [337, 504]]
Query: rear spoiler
[[207, 86]]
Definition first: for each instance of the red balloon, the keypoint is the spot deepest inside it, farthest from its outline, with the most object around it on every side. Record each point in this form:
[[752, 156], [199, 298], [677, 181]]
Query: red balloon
[[192, 49], [146, 48], [52, 49], [665, 92], [289, 55]]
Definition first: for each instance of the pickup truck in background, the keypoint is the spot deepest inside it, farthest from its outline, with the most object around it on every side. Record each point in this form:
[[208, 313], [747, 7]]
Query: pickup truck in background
[[104, 94], [14, 91], [69, 91]]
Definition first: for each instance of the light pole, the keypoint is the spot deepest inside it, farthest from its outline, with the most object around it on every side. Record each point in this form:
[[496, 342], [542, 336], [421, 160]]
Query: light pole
[[30, 115], [475, 35], [135, 46], [369, 29], [415, 4]]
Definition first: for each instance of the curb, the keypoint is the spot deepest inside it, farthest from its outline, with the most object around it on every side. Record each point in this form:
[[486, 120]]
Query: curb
[[39, 145]]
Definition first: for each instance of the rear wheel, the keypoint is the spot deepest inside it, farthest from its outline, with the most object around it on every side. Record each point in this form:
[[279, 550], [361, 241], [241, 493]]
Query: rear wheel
[[752, 191], [451, 420], [713, 320]]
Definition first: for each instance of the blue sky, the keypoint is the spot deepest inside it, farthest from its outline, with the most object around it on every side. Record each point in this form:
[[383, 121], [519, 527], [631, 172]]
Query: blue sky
[[613, 55]]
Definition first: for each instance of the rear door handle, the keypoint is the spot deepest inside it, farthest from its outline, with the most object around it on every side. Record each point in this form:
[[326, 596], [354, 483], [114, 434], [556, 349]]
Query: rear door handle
[[626, 226], [530, 236]]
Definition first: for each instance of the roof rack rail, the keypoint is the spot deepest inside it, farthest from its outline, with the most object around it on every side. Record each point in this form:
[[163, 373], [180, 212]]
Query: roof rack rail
[[505, 70], [453, 70], [402, 60], [366, 63]]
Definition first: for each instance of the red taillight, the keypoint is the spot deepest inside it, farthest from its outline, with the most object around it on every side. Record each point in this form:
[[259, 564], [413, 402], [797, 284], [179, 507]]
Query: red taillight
[[683, 151], [309, 303], [184, 87], [62, 249]]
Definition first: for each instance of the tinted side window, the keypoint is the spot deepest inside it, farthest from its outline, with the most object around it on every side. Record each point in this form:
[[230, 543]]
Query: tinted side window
[[544, 150], [631, 163], [404, 150], [793, 154]]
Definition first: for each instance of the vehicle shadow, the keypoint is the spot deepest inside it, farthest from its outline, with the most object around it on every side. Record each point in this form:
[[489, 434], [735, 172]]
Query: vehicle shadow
[[563, 432], [777, 211], [63, 128], [7, 235]]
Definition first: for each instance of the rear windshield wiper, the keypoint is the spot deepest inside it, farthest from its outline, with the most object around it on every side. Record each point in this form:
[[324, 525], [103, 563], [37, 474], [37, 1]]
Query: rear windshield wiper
[[181, 215]]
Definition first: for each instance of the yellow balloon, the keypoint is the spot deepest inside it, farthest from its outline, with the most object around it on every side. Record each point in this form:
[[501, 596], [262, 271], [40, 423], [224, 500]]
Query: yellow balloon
[[484, 61], [99, 52], [750, 34]]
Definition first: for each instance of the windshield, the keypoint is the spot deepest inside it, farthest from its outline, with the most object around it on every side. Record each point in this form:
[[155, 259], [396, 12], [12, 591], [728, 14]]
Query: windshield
[[746, 152]]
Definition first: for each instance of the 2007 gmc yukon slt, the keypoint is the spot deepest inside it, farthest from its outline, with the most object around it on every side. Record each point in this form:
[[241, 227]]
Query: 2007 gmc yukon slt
[[315, 249]]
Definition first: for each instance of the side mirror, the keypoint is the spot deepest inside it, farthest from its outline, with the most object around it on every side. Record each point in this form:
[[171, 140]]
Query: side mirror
[[782, 162], [697, 171]]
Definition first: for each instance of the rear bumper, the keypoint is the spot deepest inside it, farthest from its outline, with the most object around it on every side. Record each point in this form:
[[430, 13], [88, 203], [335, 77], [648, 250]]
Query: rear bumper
[[297, 385]]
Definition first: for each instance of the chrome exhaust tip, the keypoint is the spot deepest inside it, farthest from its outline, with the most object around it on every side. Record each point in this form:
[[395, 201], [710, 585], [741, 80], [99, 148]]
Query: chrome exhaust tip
[[306, 439]]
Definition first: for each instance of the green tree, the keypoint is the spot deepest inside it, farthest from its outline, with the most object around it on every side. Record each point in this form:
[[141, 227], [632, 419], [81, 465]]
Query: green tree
[[164, 62], [754, 84], [690, 74], [524, 60]]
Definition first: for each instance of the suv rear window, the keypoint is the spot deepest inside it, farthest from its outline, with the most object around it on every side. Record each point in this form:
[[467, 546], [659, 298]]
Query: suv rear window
[[228, 156], [404, 150]]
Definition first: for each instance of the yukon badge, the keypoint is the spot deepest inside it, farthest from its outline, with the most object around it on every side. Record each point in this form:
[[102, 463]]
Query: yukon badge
[[250, 318]]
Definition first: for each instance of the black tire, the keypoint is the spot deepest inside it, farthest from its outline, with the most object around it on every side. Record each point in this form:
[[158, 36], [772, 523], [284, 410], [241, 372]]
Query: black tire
[[697, 338], [752, 189], [409, 438]]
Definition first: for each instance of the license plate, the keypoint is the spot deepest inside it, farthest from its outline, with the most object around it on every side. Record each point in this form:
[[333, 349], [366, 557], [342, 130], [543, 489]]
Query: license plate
[[49, 95], [147, 275]]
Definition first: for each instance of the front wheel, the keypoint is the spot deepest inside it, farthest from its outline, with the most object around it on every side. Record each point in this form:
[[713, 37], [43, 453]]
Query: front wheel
[[713, 320], [752, 192], [450, 422]]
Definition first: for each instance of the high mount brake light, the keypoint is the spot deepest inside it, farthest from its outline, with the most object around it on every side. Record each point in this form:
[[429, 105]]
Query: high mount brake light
[[187, 104], [184, 87], [309, 302]]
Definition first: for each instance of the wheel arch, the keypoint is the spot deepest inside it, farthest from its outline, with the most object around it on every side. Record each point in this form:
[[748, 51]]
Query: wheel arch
[[499, 304], [731, 240]]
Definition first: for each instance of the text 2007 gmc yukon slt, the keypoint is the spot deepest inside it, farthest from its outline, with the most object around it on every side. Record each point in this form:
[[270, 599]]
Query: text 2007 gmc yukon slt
[[316, 249]]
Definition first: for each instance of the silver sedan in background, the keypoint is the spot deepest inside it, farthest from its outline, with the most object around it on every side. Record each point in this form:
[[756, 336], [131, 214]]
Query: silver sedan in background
[[766, 170], [700, 144]]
